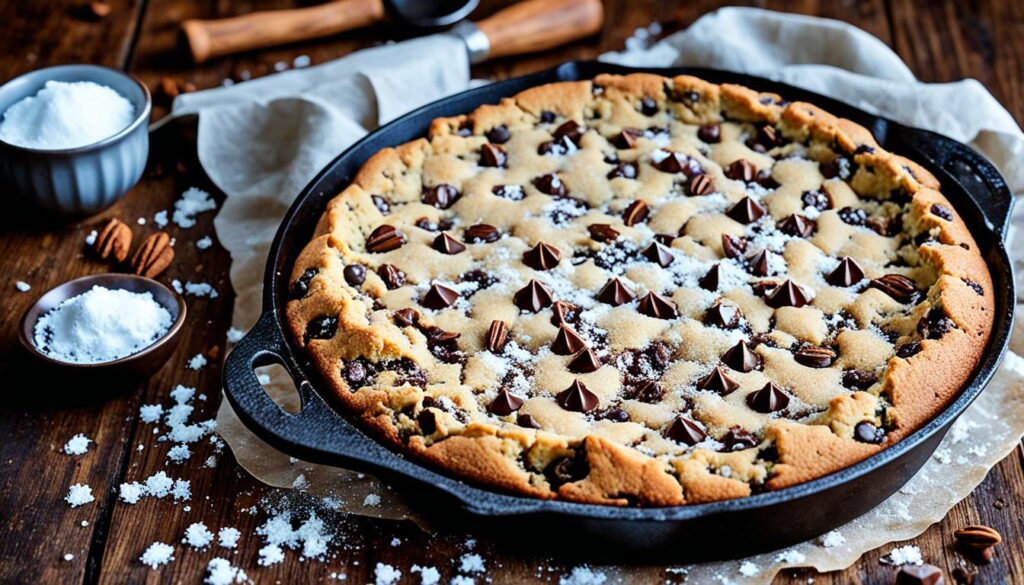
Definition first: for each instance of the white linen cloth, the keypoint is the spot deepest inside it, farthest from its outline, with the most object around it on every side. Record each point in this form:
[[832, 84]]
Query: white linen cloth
[[262, 141]]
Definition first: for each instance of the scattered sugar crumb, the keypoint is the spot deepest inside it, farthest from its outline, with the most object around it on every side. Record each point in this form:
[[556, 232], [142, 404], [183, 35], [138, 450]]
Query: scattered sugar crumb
[[79, 495], [195, 289], [150, 413], [790, 556], [301, 61], [396, 541], [69, 557], [428, 575], [228, 537], [159, 485], [197, 362], [371, 500], [385, 574], [91, 238], [85, 522], [220, 572], [77, 445], [903, 555], [197, 535], [583, 576], [749, 569], [179, 453], [157, 554], [462, 580], [235, 335], [131, 492], [192, 202], [204, 242], [832, 538], [141, 221], [182, 490], [270, 555], [22, 286], [160, 219], [471, 563]]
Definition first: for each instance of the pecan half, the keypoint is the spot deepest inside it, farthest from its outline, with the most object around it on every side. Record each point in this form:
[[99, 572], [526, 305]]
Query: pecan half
[[115, 239], [815, 357], [977, 541], [153, 256], [897, 286]]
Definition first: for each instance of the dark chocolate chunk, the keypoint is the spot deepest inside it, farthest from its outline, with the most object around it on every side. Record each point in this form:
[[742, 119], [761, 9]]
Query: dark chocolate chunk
[[527, 421], [837, 166], [866, 432], [625, 170], [654, 305], [584, 362], [384, 239], [407, 317], [563, 312], [381, 204], [567, 341], [741, 170], [919, 575], [300, 287], [848, 273], [567, 469], [648, 391], [770, 398], [815, 357], [498, 135], [710, 280], [577, 398], [626, 139], [635, 213], [942, 212], [674, 162], [493, 155], [648, 106], [974, 286], [684, 429], [710, 133], [533, 297], [497, 336], [746, 211], [796, 225], [355, 374], [446, 244], [439, 297], [323, 327], [658, 253], [908, 350], [547, 117], [602, 232], [355, 274], [788, 294], [757, 262], [853, 216], [543, 256], [482, 233], [505, 403], [615, 293], [718, 381], [858, 379], [724, 315], [440, 196], [701, 185], [570, 131], [737, 438], [550, 184], [741, 358], [510, 192], [897, 286], [816, 199], [392, 276]]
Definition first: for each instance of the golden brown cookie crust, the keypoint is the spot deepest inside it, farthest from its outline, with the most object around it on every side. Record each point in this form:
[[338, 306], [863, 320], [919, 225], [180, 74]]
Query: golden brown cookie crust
[[896, 362]]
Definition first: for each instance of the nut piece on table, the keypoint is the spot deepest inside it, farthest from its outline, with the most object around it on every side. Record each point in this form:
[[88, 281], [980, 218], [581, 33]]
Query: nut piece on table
[[153, 256], [115, 239], [977, 541], [98, 10]]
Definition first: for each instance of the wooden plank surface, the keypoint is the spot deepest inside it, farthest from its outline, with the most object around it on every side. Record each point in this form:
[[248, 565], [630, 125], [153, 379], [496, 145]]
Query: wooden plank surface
[[941, 41]]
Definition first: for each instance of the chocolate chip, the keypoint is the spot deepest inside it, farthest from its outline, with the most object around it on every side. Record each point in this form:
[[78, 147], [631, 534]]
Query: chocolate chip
[[407, 317], [674, 162], [757, 262], [550, 184], [690, 96], [648, 106], [815, 357], [614, 414], [615, 293], [741, 170], [624, 170], [626, 139], [858, 379], [648, 391], [527, 421], [718, 381], [796, 225], [741, 358], [602, 232], [533, 297], [355, 274], [493, 155], [746, 211], [391, 275], [381, 204], [837, 166], [510, 192], [701, 185], [300, 288], [848, 273], [737, 439], [919, 575], [733, 246], [384, 239], [636, 212], [504, 404], [584, 362], [897, 286], [769, 398], [440, 196], [439, 297], [765, 179], [323, 327], [563, 312], [816, 200], [547, 117], [942, 212], [665, 239], [864, 149], [482, 278], [427, 419], [481, 233], [577, 398], [355, 374], [497, 336], [498, 135], [710, 133], [711, 279], [569, 130], [567, 342], [724, 315], [885, 226], [659, 254], [935, 324], [974, 286], [853, 216], [446, 244], [654, 305], [962, 576], [909, 349], [543, 256], [567, 469], [684, 429], [866, 432], [787, 294]]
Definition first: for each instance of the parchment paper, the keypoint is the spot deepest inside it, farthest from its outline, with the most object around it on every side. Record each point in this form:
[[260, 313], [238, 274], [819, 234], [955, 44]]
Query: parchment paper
[[260, 142]]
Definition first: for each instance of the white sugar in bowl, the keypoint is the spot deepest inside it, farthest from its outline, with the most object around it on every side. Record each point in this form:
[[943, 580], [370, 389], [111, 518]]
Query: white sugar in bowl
[[79, 151]]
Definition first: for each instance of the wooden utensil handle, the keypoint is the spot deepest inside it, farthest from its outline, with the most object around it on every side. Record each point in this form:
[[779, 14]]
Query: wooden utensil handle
[[213, 38], [535, 25]]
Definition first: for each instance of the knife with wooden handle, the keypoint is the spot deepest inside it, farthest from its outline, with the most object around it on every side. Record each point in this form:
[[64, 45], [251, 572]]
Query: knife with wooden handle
[[533, 25]]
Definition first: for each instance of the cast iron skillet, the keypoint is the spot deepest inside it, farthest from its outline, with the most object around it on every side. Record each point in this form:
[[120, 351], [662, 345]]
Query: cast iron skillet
[[318, 433]]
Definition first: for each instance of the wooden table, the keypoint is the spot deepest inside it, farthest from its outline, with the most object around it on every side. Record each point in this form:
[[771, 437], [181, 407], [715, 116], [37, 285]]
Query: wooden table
[[941, 41]]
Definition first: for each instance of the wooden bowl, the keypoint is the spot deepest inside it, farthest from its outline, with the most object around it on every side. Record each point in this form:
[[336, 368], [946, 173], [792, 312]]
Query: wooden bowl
[[139, 365]]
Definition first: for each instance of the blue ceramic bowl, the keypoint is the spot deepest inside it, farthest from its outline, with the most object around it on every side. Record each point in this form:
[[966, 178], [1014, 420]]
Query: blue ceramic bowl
[[87, 179]]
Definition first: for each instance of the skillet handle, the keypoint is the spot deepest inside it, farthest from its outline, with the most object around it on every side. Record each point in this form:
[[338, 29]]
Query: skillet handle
[[316, 432], [974, 172]]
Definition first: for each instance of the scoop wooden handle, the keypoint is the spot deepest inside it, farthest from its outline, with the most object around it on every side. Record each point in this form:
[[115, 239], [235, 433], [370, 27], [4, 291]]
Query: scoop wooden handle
[[535, 25], [213, 38]]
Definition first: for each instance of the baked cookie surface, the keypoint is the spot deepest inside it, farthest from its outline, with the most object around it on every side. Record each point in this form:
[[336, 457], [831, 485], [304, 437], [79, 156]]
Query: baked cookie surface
[[644, 291]]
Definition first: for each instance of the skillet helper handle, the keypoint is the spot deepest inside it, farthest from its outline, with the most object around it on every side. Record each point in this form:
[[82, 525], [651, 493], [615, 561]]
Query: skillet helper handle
[[536, 25], [215, 38]]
